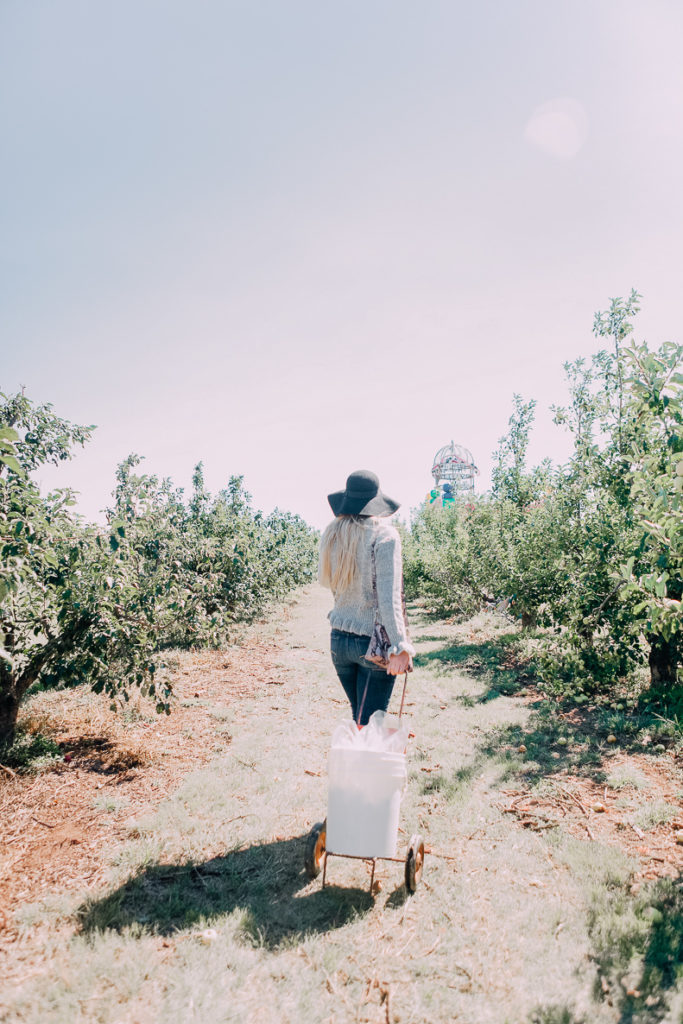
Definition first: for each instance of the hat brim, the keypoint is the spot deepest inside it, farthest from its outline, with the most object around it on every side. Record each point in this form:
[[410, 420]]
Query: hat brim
[[380, 505]]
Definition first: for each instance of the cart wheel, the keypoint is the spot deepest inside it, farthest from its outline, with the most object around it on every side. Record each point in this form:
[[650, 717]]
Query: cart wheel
[[414, 862], [315, 849]]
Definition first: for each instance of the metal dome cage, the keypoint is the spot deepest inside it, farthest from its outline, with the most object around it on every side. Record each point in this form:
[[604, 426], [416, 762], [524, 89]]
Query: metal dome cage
[[454, 464]]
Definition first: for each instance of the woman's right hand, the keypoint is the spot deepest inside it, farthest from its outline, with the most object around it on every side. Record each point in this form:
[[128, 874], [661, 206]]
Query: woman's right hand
[[398, 663]]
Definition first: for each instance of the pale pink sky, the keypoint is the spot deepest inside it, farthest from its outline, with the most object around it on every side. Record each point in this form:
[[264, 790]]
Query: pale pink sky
[[293, 240]]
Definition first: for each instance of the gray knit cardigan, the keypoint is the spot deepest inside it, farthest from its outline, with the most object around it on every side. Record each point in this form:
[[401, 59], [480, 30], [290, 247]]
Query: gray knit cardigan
[[354, 608]]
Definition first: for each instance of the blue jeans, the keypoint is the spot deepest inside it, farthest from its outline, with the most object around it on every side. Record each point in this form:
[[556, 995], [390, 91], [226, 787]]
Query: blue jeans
[[355, 673]]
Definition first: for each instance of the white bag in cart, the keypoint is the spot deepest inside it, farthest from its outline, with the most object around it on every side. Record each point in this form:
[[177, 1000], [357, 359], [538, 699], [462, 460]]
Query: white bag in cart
[[367, 777]]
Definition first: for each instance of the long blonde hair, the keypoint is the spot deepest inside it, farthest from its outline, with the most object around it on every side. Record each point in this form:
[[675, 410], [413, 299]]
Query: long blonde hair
[[340, 543]]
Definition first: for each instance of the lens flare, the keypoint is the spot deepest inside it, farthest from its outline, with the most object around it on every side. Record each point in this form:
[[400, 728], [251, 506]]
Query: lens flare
[[559, 128]]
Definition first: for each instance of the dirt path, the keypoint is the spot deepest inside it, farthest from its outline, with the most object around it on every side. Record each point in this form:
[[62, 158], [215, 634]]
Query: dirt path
[[191, 903]]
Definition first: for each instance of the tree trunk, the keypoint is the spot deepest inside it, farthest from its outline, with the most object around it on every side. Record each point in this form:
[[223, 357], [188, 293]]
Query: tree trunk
[[664, 659], [13, 686], [529, 619], [9, 709]]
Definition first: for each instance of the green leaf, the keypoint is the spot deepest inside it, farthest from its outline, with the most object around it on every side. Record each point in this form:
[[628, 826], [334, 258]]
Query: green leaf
[[12, 463]]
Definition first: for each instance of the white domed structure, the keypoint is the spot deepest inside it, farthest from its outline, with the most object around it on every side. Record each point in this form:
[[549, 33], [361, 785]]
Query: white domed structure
[[454, 464]]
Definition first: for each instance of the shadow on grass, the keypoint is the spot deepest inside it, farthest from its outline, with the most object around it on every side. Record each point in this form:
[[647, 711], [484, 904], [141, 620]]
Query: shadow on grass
[[265, 881], [548, 750], [495, 660], [104, 755], [560, 737], [639, 950], [30, 751], [101, 754]]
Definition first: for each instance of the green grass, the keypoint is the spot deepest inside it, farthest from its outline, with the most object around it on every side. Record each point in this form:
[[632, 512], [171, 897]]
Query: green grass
[[554, 1015], [496, 660], [655, 814], [627, 778]]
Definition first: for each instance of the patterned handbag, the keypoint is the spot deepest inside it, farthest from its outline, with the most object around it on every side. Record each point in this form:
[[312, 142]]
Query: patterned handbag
[[380, 644]]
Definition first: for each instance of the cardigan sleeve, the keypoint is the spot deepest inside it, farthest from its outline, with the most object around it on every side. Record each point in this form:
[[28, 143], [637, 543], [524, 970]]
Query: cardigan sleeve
[[389, 580]]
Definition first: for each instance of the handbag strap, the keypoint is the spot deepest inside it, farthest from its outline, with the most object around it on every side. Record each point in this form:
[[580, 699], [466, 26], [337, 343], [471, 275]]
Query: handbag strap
[[375, 599]]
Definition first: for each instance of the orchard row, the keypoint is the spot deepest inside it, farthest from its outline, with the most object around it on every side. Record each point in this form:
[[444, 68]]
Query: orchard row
[[589, 553], [84, 604]]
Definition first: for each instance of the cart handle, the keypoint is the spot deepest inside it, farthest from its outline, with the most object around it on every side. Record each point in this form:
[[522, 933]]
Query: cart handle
[[365, 693], [403, 695]]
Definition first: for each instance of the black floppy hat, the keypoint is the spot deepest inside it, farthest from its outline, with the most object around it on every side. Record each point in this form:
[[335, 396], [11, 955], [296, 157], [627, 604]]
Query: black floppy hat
[[362, 497]]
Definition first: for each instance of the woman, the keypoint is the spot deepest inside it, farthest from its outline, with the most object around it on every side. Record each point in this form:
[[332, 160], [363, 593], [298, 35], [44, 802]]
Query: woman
[[346, 554]]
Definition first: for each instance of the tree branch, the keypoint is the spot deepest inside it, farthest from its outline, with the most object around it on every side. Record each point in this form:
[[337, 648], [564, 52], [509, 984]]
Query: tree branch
[[43, 656]]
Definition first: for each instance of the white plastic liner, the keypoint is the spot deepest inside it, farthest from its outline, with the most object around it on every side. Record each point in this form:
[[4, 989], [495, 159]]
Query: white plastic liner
[[366, 780], [383, 732]]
